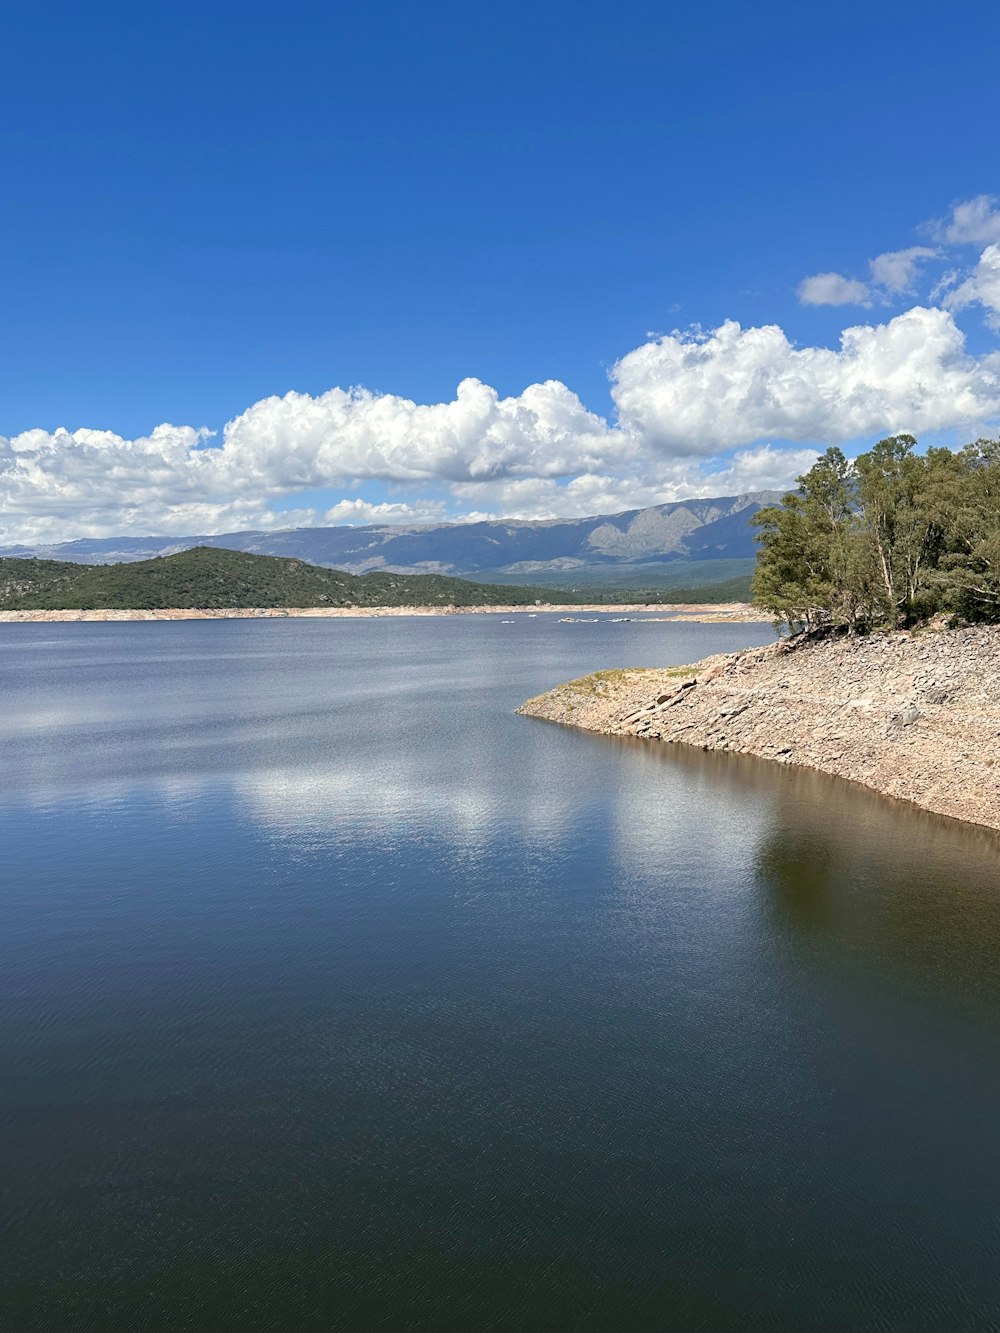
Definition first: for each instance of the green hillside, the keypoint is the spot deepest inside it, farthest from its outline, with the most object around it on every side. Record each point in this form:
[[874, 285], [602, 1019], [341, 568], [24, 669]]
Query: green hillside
[[661, 578], [207, 577], [729, 590]]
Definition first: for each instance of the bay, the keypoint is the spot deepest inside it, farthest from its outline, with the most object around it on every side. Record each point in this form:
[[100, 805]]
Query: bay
[[333, 995]]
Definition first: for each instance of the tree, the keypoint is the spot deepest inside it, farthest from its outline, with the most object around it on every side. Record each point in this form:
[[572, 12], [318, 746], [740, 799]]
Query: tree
[[969, 577], [887, 540], [809, 567]]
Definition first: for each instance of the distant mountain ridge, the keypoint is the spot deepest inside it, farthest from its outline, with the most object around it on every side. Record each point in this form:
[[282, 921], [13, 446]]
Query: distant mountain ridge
[[715, 529]]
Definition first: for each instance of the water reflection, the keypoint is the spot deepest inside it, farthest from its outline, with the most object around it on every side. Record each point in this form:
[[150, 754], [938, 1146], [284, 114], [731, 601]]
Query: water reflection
[[328, 984], [864, 875], [799, 874]]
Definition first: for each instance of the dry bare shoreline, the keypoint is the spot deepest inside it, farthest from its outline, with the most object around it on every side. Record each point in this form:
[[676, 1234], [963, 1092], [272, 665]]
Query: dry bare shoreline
[[916, 718], [730, 612]]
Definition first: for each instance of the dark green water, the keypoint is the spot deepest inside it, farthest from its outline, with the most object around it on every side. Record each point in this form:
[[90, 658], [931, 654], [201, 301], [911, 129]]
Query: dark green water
[[335, 996]]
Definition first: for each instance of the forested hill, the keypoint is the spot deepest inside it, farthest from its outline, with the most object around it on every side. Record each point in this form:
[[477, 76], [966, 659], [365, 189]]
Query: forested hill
[[213, 578]]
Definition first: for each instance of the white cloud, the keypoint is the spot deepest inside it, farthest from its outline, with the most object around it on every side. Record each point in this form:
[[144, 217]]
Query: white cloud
[[357, 435], [972, 222], [763, 468], [892, 274], [88, 483], [896, 270], [982, 287], [697, 414], [542, 498], [705, 394], [362, 512], [833, 289]]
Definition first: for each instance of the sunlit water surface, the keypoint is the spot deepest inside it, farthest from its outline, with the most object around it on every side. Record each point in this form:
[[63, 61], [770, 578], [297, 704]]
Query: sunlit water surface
[[335, 996]]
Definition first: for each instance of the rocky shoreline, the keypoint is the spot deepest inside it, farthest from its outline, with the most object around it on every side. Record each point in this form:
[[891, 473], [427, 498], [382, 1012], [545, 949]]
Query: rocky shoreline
[[730, 612], [915, 717]]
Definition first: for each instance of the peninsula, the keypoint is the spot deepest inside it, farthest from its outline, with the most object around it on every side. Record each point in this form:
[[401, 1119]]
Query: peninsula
[[867, 562], [913, 716]]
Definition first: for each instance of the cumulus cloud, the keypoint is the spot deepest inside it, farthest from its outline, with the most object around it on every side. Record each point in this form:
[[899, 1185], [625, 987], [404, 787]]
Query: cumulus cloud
[[360, 513], [723, 412], [763, 467], [735, 386], [178, 480], [543, 498], [982, 287], [893, 273], [972, 222], [833, 289], [357, 435], [896, 270]]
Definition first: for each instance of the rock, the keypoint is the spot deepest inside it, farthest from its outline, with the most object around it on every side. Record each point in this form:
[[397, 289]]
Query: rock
[[855, 708], [907, 716], [712, 673]]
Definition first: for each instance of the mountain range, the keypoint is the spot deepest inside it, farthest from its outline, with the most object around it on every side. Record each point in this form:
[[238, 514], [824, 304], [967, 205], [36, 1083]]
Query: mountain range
[[687, 540]]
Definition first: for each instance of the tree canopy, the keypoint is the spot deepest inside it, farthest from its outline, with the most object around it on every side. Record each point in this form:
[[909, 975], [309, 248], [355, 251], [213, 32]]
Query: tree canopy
[[886, 540]]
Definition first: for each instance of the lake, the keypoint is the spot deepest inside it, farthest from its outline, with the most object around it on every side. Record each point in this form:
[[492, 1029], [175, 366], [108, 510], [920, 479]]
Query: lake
[[333, 995]]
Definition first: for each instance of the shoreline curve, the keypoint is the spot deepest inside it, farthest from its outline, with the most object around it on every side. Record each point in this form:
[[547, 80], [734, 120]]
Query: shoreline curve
[[914, 717], [725, 613]]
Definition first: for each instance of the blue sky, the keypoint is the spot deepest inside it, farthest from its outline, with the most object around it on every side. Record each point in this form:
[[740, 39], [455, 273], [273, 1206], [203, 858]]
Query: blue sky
[[207, 205]]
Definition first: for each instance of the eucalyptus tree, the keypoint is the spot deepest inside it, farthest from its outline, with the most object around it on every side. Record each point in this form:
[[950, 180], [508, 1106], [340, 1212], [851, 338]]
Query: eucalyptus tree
[[906, 530], [969, 575], [808, 566], [886, 540]]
